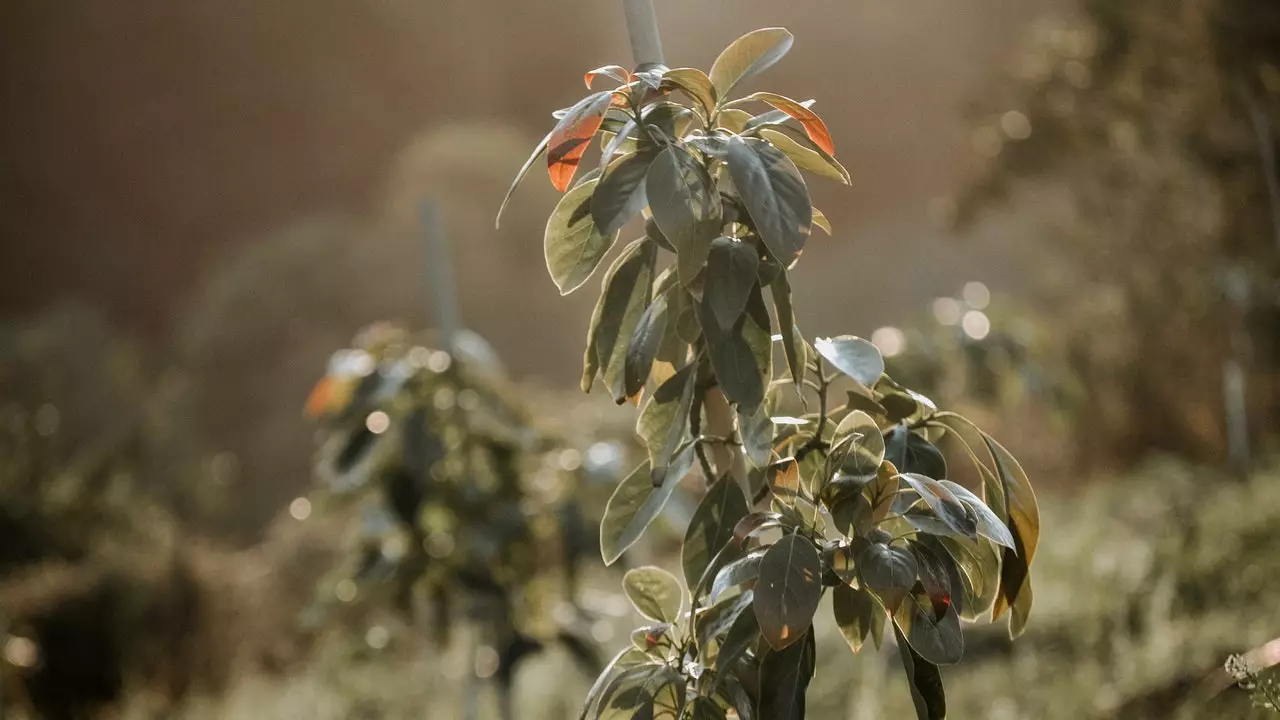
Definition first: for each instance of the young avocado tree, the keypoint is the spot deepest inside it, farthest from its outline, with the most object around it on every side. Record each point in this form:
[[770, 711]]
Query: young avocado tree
[[822, 473]]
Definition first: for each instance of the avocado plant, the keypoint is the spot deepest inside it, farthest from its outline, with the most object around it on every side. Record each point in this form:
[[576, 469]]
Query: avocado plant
[[822, 473]]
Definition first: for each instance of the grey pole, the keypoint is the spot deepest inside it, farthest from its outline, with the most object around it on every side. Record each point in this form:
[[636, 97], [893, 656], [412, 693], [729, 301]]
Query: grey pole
[[440, 273], [642, 27]]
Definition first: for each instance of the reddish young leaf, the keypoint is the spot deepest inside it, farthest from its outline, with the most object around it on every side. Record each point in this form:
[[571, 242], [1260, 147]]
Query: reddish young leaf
[[813, 125], [572, 135], [617, 72]]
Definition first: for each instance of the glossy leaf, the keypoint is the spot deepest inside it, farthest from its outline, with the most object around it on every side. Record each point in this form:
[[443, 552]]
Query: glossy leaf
[[853, 356], [731, 274], [855, 611], [663, 422], [756, 522], [979, 564], [755, 430], [744, 632], [820, 221], [572, 243], [616, 72], [711, 527], [784, 480], [911, 453], [685, 207], [785, 674], [748, 55], [944, 504], [888, 571], [793, 344], [623, 302], [572, 135], [774, 194], [788, 590], [733, 360], [642, 348], [925, 680], [807, 159], [1024, 524], [739, 572], [619, 196], [695, 84], [635, 503], [654, 592], [704, 708], [857, 445], [989, 526], [732, 119], [882, 491], [768, 119], [629, 657], [813, 125], [621, 141]]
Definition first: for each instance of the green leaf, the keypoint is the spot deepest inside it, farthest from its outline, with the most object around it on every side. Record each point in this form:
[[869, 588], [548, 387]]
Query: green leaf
[[979, 565], [622, 283], [749, 55], [654, 592], [807, 158], [642, 348], [572, 243], [635, 503], [716, 620], [755, 430], [882, 491], [857, 445], [704, 708], [733, 360], [524, 169], [665, 418], [853, 356], [784, 677], [694, 83], [731, 274], [619, 195], [855, 610], [572, 135], [911, 453], [774, 194], [739, 572], [788, 590], [989, 526], [1024, 524], [931, 627], [821, 221], [888, 571], [685, 207], [742, 634], [813, 125], [793, 345], [624, 300], [944, 504], [771, 118], [711, 527], [925, 680], [623, 659]]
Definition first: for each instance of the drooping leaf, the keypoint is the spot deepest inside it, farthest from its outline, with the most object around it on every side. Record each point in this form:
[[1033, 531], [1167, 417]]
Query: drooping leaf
[[620, 195], [664, 420], [524, 169], [882, 491], [937, 639], [572, 135], [854, 611], [744, 632], [944, 504], [755, 429], [711, 527], [635, 503], [888, 571], [733, 360], [774, 194], [1024, 525], [624, 299], [621, 141], [784, 677], [685, 207], [806, 159], [572, 243], [788, 590], [767, 119], [695, 84], [739, 572], [925, 680], [989, 526], [642, 348], [756, 522], [654, 592], [716, 620], [666, 121], [625, 292], [793, 345], [629, 657], [979, 564], [748, 55], [813, 125], [731, 274], [853, 356], [757, 332], [912, 453], [821, 221]]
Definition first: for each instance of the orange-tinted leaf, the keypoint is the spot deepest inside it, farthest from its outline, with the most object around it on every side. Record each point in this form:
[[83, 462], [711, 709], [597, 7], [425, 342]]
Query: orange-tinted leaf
[[617, 72], [572, 135], [813, 125]]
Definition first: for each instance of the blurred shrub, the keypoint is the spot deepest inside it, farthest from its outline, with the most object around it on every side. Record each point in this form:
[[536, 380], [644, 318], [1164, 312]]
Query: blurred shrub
[[1142, 137]]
